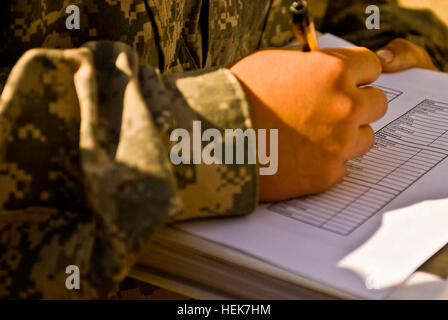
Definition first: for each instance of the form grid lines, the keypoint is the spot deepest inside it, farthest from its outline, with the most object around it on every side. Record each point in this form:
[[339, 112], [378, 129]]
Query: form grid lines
[[372, 181], [392, 94]]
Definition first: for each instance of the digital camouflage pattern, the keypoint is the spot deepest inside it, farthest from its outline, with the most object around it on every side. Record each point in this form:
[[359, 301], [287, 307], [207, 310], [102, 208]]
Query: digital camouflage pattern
[[234, 28], [84, 169], [85, 177]]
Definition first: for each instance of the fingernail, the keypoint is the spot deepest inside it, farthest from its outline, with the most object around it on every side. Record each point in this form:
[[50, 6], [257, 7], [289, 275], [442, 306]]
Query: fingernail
[[385, 55]]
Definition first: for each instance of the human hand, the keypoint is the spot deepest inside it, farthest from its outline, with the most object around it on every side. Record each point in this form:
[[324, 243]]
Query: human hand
[[321, 114], [401, 54]]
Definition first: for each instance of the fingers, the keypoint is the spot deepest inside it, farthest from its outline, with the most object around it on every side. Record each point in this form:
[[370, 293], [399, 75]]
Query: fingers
[[401, 54], [371, 105], [365, 141], [362, 65]]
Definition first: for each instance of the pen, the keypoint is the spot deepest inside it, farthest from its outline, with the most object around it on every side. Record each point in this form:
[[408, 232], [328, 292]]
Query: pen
[[303, 26]]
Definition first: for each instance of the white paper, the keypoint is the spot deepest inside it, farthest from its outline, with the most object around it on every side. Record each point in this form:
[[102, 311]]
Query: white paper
[[421, 286], [369, 233]]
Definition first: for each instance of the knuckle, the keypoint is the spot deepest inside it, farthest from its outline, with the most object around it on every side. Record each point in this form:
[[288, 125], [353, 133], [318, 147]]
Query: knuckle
[[336, 67], [338, 148], [350, 104], [363, 50], [345, 108], [376, 65], [380, 100], [372, 59]]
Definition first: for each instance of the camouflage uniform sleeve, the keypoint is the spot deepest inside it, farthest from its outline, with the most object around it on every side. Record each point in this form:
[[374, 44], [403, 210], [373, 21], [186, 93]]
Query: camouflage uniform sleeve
[[215, 98], [347, 19], [85, 177]]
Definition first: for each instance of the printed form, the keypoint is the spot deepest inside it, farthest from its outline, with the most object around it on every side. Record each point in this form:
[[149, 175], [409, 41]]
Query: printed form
[[375, 228], [405, 150]]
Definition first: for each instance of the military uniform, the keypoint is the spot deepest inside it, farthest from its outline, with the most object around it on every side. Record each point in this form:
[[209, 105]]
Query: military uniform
[[85, 177]]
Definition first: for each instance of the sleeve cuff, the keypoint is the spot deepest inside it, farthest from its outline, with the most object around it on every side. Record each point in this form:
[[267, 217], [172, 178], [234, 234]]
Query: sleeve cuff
[[216, 99]]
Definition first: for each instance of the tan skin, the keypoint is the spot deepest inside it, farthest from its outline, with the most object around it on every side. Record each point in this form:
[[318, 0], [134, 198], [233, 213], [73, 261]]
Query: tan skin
[[322, 115], [406, 55]]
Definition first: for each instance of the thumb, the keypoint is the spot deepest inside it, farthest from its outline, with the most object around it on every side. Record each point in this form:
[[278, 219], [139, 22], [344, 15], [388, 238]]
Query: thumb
[[401, 54]]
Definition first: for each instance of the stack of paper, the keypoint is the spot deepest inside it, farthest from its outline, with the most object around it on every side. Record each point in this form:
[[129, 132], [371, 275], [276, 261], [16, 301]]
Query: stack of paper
[[362, 239]]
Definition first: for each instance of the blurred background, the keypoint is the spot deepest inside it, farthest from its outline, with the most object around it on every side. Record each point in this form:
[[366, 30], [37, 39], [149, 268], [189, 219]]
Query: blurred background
[[440, 7]]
